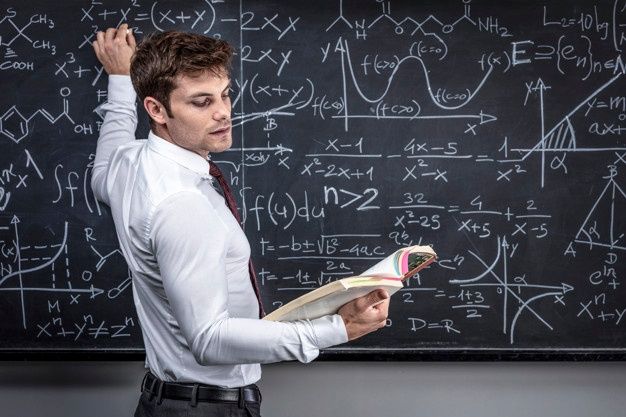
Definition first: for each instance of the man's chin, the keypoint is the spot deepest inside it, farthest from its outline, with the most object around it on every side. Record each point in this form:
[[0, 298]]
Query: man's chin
[[222, 146]]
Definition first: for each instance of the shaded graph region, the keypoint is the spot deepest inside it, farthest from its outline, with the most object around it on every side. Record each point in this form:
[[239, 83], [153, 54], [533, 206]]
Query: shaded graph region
[[563, 138]]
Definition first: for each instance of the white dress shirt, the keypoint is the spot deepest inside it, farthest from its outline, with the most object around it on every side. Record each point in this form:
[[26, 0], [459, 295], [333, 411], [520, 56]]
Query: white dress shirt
[[189, 260]]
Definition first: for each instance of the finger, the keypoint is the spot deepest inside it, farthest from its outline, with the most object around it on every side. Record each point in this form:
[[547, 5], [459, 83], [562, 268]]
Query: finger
[[100, 38], [110, 34], [121, 32], [377, 296], [96, 49], [371, 299], [130, 38], [377, 305], [98, 45], [382, 308]]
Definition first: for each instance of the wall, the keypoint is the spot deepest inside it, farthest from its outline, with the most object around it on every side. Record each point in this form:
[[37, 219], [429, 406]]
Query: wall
[[560, 389]]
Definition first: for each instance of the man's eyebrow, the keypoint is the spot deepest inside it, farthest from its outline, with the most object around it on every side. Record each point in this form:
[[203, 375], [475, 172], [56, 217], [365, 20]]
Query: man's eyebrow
[[201, 94], [207, 94]]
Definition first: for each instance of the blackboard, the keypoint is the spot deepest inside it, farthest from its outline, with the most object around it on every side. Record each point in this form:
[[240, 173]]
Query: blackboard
[[493, 130]]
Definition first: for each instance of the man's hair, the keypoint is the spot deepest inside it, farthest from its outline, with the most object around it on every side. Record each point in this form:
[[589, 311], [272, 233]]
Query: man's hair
[[161, 57]]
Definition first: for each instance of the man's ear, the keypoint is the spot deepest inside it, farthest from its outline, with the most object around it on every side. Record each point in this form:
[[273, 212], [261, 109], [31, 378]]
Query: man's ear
[[155, 110]]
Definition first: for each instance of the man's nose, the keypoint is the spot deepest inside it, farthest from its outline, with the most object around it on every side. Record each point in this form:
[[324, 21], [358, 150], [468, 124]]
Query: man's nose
[[222, 111]]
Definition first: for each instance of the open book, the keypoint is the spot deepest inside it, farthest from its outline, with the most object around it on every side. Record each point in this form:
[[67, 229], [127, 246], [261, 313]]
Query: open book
[[388, 274]]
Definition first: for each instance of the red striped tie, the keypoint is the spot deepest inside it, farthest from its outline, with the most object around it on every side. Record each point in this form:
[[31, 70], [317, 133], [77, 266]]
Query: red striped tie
[[232, 206]]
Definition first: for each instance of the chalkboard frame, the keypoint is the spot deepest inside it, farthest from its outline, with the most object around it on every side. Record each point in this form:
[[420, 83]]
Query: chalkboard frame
[[347, 352], [348, 355]]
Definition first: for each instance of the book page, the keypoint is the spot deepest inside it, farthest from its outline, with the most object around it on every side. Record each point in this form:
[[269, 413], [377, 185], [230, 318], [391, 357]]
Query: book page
[[401, 264], [383, 269], [331, 303]]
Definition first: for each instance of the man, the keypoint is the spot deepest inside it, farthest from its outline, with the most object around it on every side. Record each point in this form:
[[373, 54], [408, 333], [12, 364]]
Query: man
[[188, 255]]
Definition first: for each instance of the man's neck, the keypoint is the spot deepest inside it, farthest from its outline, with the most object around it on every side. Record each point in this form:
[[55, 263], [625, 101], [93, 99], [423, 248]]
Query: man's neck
[[162, 133]]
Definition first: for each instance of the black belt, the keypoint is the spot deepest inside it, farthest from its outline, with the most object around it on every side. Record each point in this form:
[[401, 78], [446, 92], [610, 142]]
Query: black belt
[[199, 392]]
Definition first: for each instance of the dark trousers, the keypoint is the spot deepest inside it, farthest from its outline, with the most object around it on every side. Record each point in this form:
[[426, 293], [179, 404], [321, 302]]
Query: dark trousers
[[152, 406]]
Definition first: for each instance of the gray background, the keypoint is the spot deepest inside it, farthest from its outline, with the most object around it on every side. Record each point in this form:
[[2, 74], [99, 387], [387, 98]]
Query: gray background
[[364, 389]]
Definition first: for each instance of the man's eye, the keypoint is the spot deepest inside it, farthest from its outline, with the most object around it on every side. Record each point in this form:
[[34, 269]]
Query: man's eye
[[225, 96], [202, 103]]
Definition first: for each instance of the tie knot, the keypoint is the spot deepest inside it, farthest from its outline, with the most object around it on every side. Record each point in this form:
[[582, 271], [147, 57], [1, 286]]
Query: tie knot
[[214, 170]]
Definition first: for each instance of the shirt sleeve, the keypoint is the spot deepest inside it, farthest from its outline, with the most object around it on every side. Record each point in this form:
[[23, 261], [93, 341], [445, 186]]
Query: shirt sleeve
[[190, 243], [118, 128]]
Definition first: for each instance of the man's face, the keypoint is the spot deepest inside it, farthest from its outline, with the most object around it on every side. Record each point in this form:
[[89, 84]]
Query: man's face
[[200, 106]]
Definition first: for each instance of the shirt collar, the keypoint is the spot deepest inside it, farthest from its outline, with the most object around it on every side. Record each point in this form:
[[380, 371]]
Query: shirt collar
[[183, 157]]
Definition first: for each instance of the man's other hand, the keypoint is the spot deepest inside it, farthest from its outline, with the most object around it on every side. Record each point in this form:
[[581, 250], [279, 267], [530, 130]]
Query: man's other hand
[[114, 49], [365, 314]]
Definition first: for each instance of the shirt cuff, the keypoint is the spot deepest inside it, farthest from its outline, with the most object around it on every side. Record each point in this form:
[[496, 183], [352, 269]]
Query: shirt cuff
[[329, 331], [121, 88]]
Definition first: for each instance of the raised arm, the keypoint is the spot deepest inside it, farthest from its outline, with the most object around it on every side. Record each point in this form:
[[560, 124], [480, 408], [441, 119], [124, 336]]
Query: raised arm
[[114, 49]]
